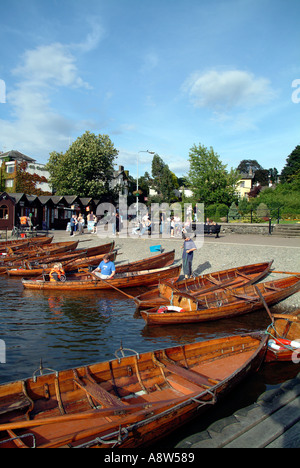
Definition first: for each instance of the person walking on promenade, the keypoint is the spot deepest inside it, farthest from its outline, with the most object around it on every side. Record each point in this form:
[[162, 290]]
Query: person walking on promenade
[[73, 222], [189, 247]]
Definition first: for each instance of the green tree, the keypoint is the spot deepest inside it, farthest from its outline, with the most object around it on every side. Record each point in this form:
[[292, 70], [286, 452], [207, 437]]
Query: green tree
[[233, 212], [247, 164], [164, 181], [208, 177], [86, 168], [292, 166]]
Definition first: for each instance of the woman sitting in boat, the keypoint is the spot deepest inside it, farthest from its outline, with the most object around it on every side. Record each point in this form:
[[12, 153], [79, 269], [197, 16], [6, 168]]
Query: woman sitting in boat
[[106, 269], [57, 273]]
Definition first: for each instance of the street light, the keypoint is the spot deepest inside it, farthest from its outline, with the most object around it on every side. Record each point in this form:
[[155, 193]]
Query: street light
[[137, 181]]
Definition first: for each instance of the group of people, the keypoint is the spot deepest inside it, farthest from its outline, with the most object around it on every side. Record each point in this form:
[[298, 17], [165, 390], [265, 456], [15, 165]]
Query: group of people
[[178, 228], [77, 223], [105, 270], [142, 227]]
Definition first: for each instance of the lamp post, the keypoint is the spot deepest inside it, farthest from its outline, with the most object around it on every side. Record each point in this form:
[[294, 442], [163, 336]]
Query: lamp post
[[137, 181]]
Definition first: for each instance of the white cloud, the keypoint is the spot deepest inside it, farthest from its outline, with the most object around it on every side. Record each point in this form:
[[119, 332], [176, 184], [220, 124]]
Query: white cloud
[[36, 127], [226, 90], [51, 65], [93, 38]]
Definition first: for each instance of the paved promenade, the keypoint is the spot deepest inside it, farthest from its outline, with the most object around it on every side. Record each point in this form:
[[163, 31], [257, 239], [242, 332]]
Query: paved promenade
[[228, 251]]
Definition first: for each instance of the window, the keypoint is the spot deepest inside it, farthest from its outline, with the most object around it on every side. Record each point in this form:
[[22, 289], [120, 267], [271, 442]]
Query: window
[[3, 212], [10, 168], [9, 183]]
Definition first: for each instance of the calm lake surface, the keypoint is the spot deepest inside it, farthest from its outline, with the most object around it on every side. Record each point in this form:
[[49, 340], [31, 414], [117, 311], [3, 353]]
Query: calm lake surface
[[72, 329]]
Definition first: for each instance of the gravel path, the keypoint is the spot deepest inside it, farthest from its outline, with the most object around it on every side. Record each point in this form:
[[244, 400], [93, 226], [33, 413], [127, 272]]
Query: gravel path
[[212, 255]]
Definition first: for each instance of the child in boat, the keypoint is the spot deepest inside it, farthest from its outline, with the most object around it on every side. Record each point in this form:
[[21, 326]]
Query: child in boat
[[57, 273], [106, 269]]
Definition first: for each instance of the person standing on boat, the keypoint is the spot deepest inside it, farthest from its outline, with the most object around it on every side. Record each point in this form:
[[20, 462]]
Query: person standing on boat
[[106, 269], [189, 247]]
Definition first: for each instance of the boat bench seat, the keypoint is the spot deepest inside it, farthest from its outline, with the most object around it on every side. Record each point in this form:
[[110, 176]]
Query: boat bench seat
[[17, 402], [99, 394], [194, 377]]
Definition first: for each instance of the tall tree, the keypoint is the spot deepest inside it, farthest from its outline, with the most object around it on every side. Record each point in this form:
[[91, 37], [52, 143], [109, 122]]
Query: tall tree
[[86, 168], [208, 177], [247, 164], [292, 166], [164, 181]]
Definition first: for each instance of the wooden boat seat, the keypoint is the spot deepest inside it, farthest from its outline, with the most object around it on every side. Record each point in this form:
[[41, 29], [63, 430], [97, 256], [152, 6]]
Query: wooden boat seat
[[17, 402], [183, 385], [272, 288], [245, 297], [99, 394], [214, 281], [239, 273], [196, 378]]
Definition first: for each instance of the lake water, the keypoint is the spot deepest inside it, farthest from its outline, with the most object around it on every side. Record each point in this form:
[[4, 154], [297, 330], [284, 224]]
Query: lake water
[[72, 329]]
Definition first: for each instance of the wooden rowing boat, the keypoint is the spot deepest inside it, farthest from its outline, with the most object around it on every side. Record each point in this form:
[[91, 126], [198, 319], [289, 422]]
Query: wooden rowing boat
[[71, 261], [222, 304], [41, 261], [75, 263], [40, 251], [129, 402], [284, 342], [88, 281], [99, 249], [234, 277], [24, 242], [151, 263], [157, 261]]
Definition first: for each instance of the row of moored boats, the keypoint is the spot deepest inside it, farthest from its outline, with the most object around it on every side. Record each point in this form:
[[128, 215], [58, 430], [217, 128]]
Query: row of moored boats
[[136, 399]]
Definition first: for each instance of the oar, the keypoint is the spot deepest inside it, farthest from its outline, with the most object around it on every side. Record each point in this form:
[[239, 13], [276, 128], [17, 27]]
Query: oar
[[285, 272], [98, 413], [264, 303], [111, 285], [288, 317]]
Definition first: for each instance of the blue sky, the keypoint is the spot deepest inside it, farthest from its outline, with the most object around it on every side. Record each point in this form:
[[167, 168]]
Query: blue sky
[[161, 75]]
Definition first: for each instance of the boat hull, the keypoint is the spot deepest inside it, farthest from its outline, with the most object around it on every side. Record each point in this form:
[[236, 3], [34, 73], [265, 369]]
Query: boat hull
[[225, 304], [129, 402], [23, 243], [90, 282], [233, 277]]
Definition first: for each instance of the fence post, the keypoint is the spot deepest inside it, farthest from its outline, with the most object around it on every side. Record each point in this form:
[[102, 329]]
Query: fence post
[[270, 226]]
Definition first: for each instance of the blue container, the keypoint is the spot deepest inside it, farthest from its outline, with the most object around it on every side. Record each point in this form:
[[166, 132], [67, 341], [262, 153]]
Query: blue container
[[155, 248]]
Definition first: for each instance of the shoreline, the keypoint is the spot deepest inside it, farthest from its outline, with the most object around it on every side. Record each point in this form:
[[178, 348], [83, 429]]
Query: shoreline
[[212, 254]]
